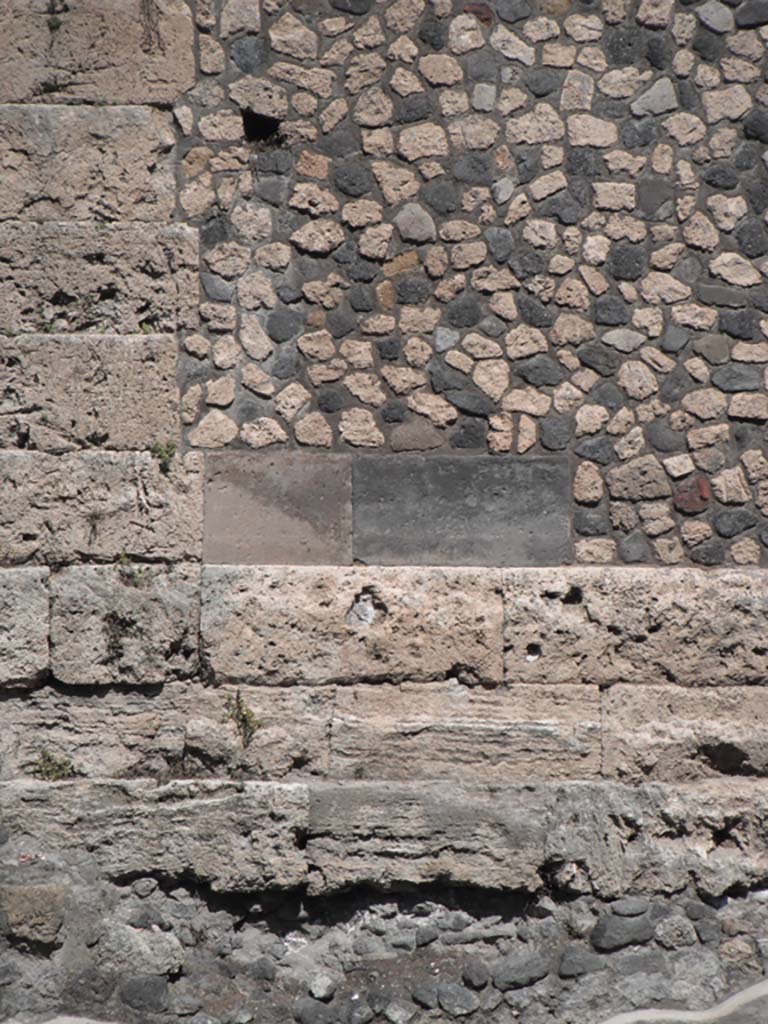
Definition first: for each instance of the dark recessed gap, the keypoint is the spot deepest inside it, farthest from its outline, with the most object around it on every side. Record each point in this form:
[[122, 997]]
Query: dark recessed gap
[[261, 128]]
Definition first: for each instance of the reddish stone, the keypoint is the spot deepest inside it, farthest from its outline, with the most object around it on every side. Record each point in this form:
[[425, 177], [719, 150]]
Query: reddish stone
[[692, 495], [482, 12]]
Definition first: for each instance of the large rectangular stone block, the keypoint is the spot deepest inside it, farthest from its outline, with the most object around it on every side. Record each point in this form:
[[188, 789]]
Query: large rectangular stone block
[[114, 279], [454, 510], [446, 730], [100, 51], [620, 625], [233, 836], [82, 163], [183, 729], [285, 509], [24, 625], [603, 838], [285, 625], [124, 624], [671, 734], [99, 506], [63, 392]]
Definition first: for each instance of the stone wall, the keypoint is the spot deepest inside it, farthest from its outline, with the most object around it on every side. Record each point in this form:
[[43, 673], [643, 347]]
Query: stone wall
[[347, 346]]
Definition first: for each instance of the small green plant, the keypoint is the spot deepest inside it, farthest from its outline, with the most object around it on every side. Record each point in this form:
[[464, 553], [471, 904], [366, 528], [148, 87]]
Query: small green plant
[[164, 454], [245, 721], [146, 328], [132, 575], [50, 768]]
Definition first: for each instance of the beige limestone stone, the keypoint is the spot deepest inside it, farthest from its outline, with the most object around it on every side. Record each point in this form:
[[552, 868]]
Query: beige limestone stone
[[82, 163], [670, 734], [318, 237], [313, 430], [640, 478], [658, 287], [447, 730], [215, 430], [705, 403], [396, 183], [98, 506], [136, 828], [24, 626], [358, 428], [116, 277], [352, 624], [588, 487], [730, 487], [688, 626], [124, 625], [542, 124], [587, 130], [735, 269], [263, 432], [440, 69], [291, 36], [64, 392], [102, 51], [419, 141], [512, 46], [184, 726]]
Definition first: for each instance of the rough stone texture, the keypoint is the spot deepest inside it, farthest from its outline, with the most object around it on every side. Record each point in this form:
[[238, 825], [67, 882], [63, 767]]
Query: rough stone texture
[[24, 626], [98, 51], [99, 506], [64, 392], [663, 733], [620, 625], [137, 626], [105, 163], [284, 510], [184, 729], [278, 626], [117, 278], [450, 730], [245, 840], [520, 519], [505, 838]]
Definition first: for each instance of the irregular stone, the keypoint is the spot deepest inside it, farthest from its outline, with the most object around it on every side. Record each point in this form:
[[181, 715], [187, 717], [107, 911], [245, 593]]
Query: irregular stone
[[318, 237], [639, 479], [613, 932], [659, 99], [735, 269], [415, 224], [515, 972], [353, 624]]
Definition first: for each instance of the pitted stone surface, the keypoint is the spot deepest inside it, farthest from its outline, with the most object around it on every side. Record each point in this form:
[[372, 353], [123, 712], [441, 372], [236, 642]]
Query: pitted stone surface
[[64, 392], [106, 163], [99, 506], [277, 626], [24, 626]]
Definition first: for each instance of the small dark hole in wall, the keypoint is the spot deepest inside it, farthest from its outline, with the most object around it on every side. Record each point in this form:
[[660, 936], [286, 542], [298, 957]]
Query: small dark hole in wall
[[533, 651], [261, 128], [574, 596]]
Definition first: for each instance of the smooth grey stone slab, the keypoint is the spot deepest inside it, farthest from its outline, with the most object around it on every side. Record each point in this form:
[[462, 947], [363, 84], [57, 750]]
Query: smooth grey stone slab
[[289, 508], [454, 510]]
